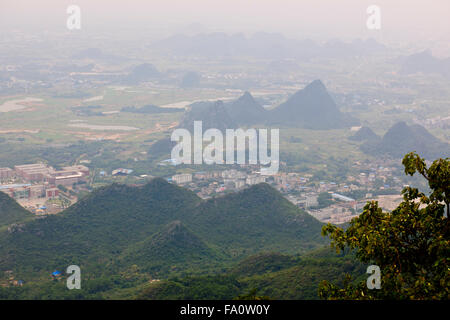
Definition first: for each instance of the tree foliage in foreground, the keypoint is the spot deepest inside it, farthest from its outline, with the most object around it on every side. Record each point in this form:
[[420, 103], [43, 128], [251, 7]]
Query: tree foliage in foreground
[[411, 244]]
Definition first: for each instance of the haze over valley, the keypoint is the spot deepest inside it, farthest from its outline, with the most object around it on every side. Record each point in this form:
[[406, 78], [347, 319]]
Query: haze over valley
[[88, 175]]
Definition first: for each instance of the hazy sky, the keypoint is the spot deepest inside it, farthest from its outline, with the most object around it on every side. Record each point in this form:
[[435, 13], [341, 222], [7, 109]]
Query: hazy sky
[[401, 19]]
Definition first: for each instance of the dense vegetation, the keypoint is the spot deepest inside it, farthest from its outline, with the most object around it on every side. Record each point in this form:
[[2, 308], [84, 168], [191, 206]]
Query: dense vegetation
[[157, 230], [269, 275], [160, 241], [410, 245], [11, 212]]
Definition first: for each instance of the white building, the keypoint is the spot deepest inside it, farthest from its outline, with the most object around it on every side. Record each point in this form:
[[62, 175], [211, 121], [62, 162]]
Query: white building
[[233, 174], [182, 178], [251, 180]]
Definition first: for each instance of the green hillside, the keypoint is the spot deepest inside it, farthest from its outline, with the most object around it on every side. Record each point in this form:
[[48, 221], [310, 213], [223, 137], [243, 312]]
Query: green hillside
[[302, 280], [95, 230], [11, 212], [268, 274], [219, 287], [264, 263], [158, 227], [168, 249], [256, 219]]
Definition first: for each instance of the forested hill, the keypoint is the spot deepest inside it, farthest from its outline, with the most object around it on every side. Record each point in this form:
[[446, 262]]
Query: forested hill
[[272, 275], [11, 212], [118, 226], [256, 219]]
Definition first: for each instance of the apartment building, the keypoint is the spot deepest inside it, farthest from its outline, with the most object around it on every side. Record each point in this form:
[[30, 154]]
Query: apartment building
[[182, 178]]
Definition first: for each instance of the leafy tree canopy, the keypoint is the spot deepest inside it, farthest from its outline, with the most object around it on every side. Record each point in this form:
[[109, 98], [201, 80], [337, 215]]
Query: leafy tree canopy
[[411, 244]]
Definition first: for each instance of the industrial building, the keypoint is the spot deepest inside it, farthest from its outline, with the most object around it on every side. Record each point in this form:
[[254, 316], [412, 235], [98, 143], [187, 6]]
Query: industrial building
[[40, 172], [40, 180]]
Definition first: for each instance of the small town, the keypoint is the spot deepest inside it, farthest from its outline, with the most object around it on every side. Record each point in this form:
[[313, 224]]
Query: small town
[[41, 188], [44, 190], [326, 201]]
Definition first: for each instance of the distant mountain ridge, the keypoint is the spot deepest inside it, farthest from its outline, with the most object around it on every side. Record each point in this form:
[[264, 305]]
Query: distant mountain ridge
[[425, 62], [311, 108], [402, 138], [262, 45]]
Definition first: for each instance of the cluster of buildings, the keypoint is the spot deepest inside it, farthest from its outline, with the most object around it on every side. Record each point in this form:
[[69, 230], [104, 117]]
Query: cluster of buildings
[[40, 172], [209, 183], [28, 191], [301, 189], [33, 181], [338, 213], [295, 187], [436, 122], [9, 280], [40, 181]]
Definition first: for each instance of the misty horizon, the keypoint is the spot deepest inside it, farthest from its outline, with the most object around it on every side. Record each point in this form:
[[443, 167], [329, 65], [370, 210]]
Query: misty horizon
[[405, 22]]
